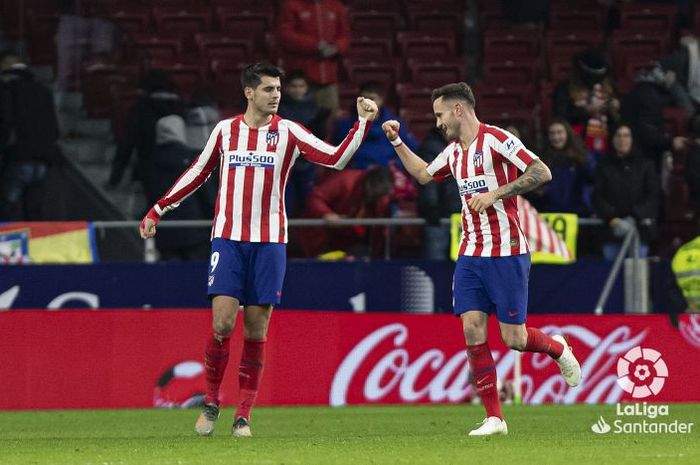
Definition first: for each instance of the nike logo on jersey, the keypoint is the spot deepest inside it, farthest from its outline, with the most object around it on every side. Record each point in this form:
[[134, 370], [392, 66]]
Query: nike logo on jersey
[[252, 158], [473, 185]]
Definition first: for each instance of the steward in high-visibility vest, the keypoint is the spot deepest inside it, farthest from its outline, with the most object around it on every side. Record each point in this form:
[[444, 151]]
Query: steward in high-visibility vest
[[686, 267]]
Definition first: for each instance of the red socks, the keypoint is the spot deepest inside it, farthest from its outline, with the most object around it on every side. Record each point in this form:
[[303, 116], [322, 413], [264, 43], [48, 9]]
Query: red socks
[[537, 341], [484, 373], [215, 361], [249, 375]]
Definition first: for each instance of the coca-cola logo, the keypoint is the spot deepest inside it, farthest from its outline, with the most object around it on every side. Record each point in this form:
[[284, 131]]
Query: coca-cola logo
[[397, 370]]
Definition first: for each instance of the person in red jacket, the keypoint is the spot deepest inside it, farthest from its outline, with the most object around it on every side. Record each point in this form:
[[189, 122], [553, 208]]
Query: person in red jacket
[[313, 35], [348, 194]]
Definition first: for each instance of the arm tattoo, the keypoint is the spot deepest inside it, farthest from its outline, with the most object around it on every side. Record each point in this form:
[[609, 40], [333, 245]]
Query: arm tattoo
[[534, 176]]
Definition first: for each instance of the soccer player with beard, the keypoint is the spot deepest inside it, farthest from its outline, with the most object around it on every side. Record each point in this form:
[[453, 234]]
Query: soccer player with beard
[[491, 273], [255, 153]]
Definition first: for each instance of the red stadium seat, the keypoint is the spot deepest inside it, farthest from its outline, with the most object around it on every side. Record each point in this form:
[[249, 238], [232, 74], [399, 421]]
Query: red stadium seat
[[390, 6], [647, 18], [184, 22], [520, 117], [227, 77], [41, 38], [494, 21], [388, 71], [132, 21], [503, 97], [437, 72], [414, 97], [639, 45], [547, 101], [676, 121], [418, 122], [365, 46], [157, 48], [419, 44], [575, 19], [559, 70], [185, 74], [566, 44], [216, 46], [511, 71], [373, 23], [510, 43], [436, 20], [348, 93], [254, 23]]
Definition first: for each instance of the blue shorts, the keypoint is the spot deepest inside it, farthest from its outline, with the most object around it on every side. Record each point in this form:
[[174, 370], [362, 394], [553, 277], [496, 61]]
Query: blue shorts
[[251, 272], [492, 283]]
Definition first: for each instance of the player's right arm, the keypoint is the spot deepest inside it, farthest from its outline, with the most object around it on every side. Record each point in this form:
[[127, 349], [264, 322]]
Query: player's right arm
[[415, 165], [188, 182]]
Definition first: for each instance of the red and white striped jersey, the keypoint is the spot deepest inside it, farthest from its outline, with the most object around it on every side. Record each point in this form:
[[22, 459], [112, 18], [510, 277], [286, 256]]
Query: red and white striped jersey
[[254, 166], [491, 161]]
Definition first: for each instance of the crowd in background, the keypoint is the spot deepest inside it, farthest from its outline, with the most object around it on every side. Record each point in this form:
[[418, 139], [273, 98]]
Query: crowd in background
[[608, 150]]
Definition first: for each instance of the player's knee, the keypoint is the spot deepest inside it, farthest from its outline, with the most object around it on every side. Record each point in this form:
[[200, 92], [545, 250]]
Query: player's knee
[[223, 325]]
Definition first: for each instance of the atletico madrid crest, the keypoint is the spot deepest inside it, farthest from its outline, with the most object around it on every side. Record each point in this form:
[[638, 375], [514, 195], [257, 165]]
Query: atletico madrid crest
[[272, 138], [478, 158]]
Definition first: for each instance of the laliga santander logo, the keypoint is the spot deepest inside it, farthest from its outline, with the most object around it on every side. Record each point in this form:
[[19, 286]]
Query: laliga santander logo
[[641, 372]]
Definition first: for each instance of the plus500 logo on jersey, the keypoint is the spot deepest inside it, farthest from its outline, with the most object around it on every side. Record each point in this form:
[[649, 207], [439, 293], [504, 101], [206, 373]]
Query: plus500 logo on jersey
[[250, 158], [473, 185]]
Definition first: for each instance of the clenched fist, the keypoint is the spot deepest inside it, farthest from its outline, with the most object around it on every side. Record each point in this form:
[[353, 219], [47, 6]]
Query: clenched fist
[[391, 129], [367, 108]]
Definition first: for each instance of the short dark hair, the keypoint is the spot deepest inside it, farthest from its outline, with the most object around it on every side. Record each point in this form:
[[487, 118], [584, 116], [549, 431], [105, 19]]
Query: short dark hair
[[376, 87], [296, 74], [251, 76], [455, 91], [378, 182]]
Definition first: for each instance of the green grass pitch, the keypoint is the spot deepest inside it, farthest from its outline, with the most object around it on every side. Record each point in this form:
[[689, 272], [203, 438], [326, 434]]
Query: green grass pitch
[[351, 435]]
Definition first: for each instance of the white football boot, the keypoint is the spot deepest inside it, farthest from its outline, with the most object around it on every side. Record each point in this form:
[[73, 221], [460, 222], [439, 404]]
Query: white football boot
[[569, 366], [241, 428], [490, 426], [206, 420]]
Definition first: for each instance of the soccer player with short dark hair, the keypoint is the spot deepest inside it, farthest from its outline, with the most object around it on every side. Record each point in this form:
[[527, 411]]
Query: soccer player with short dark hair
[[492, 270], [255, 153]]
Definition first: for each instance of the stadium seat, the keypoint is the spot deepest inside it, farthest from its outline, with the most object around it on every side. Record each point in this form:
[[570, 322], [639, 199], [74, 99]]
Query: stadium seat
[[639, 45], [245, 23], [414, 97], [436, 20], [185, 74], [494, 21], [347, 93], [503, 96], [423, 44], [418, 122], [151, 47], [560, 70], [390, 6], [217, 46], [227, 79], [511, 43], [676, 121], [523, 71], [41, 40], [373, 23], [122, 101], [388, 71], [437, 72], [132, 21], [183, 22], [567, 44], [575, 19], [521, 117], [547, 101], [648, 17], [365, 46]]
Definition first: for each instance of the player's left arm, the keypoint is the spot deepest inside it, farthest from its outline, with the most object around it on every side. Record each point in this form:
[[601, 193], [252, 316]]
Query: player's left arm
[[317, 151], [536, 173]]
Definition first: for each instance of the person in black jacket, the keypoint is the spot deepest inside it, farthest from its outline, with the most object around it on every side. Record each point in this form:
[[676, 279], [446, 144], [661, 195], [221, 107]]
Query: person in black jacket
[[626, 194], [161, 100], [643, 109], [436, 201], [28, 135]]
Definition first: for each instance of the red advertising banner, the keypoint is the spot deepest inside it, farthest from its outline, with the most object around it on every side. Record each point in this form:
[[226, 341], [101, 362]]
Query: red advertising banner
[[142, 358]]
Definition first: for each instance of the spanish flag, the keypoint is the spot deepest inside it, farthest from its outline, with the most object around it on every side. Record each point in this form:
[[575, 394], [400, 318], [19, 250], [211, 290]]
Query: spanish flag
[[47, 242]]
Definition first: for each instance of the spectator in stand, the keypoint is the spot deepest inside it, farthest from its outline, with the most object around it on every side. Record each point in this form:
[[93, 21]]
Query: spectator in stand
[[626, 194], [160, 100], [644, 107], [298, 105], [586, 99], [82, 25], [314, 34], [376, 150], [202, 115], [348, 194], [28, 135], [692, 174], [171, 156], [436, 201], [570, 189]]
